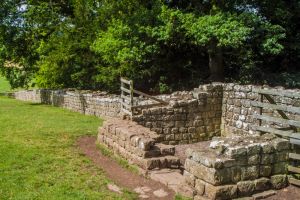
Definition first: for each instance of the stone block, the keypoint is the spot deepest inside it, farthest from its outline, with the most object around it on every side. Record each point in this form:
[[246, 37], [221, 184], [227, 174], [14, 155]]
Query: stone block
[[281, 144], [236, 152], [264, 194], [279, 181], [245, 188], [235, 174], [265, 170], [267, 159], [253, 149], [282, 156], [178, 136], [208, 161], [249, 172], [279, 168], [262, 184], [210, 175], [169, 137], [267, 148], [189, 178], [200, 186], [253, 159], [221, 192], [174, 130]]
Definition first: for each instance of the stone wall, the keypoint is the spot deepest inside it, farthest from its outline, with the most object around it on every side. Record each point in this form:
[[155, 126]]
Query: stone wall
[[207, 111], [137, 144], [237, 166], [86, 102], [237, 111], [190, 116]]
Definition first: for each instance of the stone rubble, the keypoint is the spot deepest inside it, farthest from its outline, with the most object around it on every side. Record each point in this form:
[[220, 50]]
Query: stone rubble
[[245, 166]]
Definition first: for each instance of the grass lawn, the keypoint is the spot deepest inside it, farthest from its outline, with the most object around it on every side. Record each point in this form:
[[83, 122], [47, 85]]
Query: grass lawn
[[38, 156], [4, 85]]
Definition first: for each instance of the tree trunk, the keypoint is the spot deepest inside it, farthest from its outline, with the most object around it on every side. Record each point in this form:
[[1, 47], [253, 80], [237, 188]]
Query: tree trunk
[[216, 67]]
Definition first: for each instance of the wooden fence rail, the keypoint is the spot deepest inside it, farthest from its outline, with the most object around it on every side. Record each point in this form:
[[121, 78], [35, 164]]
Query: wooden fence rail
[[128, 106], [292, 132]]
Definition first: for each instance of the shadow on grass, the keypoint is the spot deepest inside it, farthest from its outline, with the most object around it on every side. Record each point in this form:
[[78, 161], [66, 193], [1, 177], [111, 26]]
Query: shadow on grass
[[36, 104]]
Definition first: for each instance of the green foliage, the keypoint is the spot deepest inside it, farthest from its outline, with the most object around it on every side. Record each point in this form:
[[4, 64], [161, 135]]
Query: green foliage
[[227, 29], [90, 44]]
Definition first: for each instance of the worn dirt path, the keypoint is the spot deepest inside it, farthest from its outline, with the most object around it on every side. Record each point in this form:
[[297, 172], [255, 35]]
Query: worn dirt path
[[122, 177]]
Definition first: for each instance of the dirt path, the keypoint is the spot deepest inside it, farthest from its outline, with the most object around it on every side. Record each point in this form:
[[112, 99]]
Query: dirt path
[[290, 193], [122, 177]]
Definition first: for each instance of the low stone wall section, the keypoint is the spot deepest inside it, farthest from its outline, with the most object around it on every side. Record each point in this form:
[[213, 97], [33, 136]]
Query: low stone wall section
[[192, 117], [86, 102], [237, 111], [137, 144], [237, 166], [207, 111]]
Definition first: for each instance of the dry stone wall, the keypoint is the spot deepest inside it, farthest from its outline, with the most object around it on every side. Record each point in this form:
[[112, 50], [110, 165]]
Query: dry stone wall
[[86, 102], [137, 144], [207, 111], [237, 166], [190, 116], [237, 111]]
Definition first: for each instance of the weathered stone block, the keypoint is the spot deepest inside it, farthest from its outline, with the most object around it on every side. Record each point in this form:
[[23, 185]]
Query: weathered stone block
[[249, 172], [281, 144], [210, 175], [235, 174], [279, 168], [245, 188], [265, 170], [267, 148], [236, 152], [200, 186], [267, 159], [202, 158], [279, 181], [281, 156], [189, 178], [262, 184], [254, 159], [221, 192]]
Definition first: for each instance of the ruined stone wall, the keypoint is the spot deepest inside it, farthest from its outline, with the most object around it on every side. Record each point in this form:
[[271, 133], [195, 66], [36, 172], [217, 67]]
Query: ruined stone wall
[[137, 144], [237, 111], [89, 103], [190, 116], [207, 111], [237, 166]]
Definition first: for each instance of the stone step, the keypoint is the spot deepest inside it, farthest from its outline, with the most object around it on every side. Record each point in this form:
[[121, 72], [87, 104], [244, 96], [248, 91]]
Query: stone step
[[174, 180], [264, 194], [165, 149], [171, 162]]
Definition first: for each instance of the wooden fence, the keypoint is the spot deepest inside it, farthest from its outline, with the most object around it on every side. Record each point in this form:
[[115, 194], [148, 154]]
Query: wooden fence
[[128, 104], [291, 129]]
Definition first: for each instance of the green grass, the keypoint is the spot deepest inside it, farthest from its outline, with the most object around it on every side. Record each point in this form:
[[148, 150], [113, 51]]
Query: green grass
[[4, 85], [39, 158]]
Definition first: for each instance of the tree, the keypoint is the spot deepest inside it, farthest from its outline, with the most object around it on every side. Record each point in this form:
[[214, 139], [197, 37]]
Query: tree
[[161, 45], [226, 27]]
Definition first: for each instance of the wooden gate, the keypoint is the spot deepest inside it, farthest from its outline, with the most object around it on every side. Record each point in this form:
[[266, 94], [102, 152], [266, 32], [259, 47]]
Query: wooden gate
[[129, 104], [291, 129]]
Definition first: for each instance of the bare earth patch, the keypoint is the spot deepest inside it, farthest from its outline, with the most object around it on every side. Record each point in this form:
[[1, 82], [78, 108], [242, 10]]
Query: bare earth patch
[[146, 188], [290, 193]]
